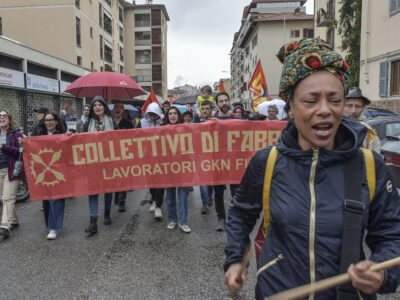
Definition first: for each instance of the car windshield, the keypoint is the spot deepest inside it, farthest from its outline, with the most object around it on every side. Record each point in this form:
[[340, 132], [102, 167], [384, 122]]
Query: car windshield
[[393, 129]]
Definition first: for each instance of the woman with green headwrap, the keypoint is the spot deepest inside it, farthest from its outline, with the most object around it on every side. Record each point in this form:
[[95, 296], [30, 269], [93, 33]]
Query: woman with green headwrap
[[305, 212]]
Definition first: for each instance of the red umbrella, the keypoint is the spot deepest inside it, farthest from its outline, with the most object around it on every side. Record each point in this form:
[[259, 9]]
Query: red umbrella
[[109, 85]]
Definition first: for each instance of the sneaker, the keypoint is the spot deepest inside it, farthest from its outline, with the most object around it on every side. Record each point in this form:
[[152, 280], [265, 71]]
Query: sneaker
[[157, 213], [204, 209], [152, 207], [220, 225], [211, 200], [52, 235], [185, 228], [172, 225]]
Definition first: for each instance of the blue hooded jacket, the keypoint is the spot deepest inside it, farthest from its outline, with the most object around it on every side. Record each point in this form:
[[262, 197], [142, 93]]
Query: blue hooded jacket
[[307, 195]]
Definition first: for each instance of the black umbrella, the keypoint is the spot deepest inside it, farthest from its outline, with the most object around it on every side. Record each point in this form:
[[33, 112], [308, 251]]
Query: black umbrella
[[190, 97]]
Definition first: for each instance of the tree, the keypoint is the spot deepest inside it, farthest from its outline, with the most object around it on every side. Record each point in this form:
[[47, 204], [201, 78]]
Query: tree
[[350, 31]]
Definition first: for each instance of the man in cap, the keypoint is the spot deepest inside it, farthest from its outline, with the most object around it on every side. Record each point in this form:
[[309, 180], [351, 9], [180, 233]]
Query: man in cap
[[354, 108], [40, 112]]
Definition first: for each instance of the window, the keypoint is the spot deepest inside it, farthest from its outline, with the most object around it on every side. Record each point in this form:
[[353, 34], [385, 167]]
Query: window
[[1, 27], [142, 36], [143, 75], [121, 35], [394, 6], [79, 60], [393, 129], [108, 54], [91, 66], [100, 15], [247, 50], [121, 14], [142, 20], [78, 32], [101, 69], [121, 69], [101, 47], [91, 32], [294, 33], [121, 53], [77, 3], [143, 56], [395, 77], [107, 24], [330, 37], [254, 42], [308, 33]]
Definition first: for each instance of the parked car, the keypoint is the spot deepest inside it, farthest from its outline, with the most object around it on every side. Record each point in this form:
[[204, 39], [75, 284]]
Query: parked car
[[385, 127], [388, 130]]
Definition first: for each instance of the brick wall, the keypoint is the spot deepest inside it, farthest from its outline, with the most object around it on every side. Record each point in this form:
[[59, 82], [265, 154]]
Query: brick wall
[[392, 105], [22, 103]]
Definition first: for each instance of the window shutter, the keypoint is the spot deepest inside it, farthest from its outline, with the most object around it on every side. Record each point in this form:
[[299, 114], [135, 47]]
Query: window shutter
[[383, 72]]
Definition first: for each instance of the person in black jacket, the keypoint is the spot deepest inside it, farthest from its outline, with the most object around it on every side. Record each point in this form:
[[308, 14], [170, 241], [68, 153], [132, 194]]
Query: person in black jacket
[[40, 112], [122, 123], [306, 200]]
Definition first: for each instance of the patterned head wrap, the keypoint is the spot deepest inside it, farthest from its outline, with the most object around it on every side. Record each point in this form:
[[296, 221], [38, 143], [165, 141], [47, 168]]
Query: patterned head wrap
[[305, 57]]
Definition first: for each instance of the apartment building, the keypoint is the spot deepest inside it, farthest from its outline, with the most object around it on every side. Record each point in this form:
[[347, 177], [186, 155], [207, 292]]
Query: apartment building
[[146, 33], [326, 16], [100, 35], [380, 53], [266, 26]]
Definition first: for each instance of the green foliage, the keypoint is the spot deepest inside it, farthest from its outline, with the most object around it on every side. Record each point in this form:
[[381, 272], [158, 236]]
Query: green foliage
[[350, 29]]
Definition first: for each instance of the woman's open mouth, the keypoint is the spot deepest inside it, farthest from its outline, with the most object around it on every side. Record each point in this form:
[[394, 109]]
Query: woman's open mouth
[[323, 130]]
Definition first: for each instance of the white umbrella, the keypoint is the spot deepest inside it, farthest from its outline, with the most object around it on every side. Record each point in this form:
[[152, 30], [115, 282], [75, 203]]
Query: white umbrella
[[280, 104]]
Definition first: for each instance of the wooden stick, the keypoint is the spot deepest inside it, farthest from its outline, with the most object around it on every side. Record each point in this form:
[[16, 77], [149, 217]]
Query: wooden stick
[[328, 283], [244, 263]]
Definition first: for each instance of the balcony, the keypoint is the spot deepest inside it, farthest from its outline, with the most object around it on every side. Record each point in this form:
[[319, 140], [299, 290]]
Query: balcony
[[325, 18]]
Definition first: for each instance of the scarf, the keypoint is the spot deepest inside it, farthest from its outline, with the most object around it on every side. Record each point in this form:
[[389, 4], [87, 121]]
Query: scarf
[[107, 124]]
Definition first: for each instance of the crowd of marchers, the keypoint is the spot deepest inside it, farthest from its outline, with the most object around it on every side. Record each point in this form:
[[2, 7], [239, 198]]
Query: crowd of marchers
[[322, 188], [98, 117]]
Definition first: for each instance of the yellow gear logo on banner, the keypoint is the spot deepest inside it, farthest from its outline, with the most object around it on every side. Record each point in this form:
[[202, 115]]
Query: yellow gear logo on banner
[[42, 171]]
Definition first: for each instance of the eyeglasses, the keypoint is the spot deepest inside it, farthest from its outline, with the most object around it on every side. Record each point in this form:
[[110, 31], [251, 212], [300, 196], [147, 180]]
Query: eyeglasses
[[49, 120], [5, 116]]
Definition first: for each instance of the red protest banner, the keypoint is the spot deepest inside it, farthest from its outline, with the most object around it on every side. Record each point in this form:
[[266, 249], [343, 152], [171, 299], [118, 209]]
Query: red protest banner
[[210, 153]]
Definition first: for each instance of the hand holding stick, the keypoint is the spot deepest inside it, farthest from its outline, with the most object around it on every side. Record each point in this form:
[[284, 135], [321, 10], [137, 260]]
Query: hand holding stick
[[328, 283]]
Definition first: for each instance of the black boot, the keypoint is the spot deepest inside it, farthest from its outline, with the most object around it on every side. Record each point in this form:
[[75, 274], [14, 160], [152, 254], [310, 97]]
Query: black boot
[[107, 217], [92, 228], [121, 205]]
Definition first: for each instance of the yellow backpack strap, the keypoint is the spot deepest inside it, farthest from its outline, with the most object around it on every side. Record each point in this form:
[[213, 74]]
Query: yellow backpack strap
[[273, 153], [370, 172]]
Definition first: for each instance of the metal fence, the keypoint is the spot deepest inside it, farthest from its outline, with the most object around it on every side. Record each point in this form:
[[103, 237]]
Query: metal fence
[[21, 104]]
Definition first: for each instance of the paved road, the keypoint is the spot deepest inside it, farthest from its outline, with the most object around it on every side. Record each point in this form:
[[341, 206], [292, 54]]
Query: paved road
[[134, 258]]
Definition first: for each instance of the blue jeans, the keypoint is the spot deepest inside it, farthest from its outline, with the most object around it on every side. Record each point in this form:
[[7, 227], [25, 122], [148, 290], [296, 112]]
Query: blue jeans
[[206, 193], [94, 203], [183, 195], [54, 213]]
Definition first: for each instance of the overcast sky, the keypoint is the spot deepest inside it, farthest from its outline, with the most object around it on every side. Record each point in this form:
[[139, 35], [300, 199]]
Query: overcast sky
[[200, 36]]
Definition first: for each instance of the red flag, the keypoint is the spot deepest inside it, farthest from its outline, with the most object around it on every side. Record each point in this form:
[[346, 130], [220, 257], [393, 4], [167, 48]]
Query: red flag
[[221, 87], [152, 98], [171, 100], [258, 86]]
